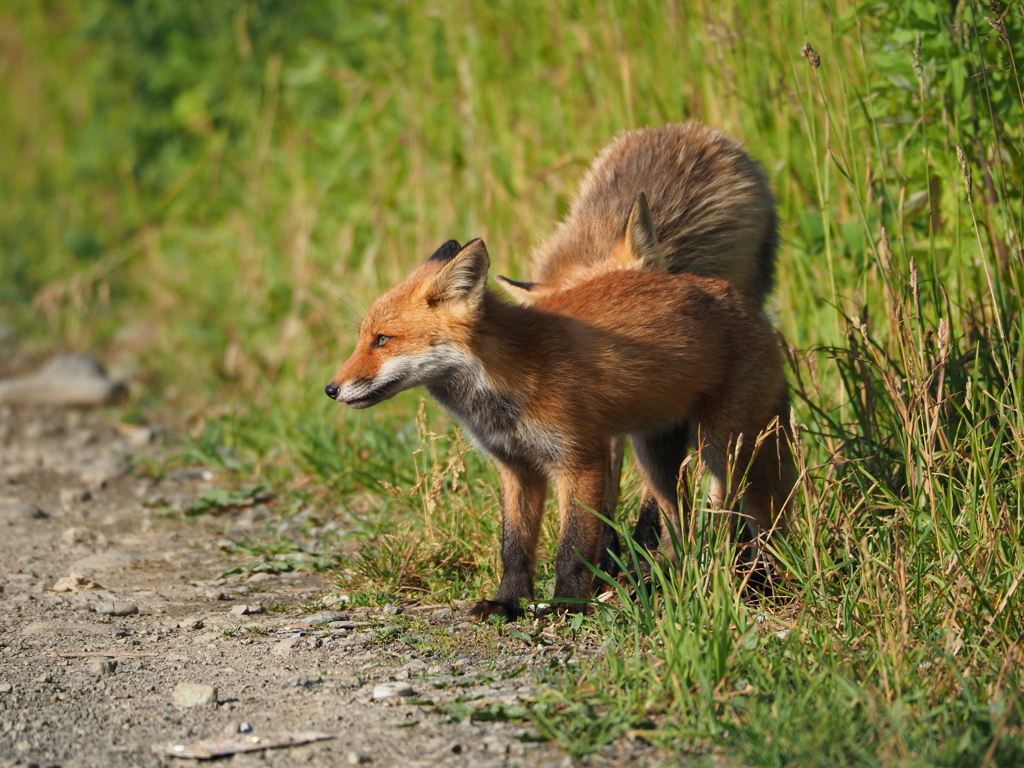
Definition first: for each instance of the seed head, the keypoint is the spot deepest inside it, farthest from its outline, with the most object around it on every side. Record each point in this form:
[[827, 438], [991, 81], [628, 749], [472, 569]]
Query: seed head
[[807, 51]]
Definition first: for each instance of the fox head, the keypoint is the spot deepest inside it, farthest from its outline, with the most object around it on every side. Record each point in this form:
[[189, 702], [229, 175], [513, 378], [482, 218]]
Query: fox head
[[637, 248], [418, 332]]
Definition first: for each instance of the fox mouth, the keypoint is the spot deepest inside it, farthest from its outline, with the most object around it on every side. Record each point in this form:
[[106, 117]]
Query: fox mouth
[[386, 390]]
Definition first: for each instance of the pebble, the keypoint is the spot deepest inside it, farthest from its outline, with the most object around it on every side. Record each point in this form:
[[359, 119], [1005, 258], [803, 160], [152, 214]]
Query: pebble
[[22, 509], [80, 537], [102, 667], [193, 695], [6, 687], [389, 690], [102, 472], [71, 496], [245, 610], [392, 610], [65, 380], [358, 758], [117, 609], [325, 617]]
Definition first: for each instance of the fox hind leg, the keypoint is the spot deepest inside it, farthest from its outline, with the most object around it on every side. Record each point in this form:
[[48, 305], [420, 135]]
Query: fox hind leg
[[610, 548], [660, 456]]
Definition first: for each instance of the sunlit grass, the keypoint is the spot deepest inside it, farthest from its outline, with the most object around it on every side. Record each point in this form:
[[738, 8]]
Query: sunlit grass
[[214, 194]]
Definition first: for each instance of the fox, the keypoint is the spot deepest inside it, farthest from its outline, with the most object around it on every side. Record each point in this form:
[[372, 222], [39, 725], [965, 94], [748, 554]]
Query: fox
[[543, 389], [710, 211]]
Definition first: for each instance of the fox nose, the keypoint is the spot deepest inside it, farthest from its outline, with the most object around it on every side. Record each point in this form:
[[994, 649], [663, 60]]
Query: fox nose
[[332, 391]]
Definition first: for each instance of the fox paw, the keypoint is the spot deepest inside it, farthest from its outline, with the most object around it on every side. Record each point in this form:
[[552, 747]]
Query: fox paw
[[487, 608]]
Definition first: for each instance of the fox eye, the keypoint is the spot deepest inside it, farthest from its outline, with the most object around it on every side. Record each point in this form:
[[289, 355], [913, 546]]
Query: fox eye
[[381, 340]]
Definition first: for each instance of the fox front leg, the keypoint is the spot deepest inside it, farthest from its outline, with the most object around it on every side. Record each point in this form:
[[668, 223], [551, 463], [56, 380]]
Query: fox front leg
[[580, 490], [522, 501]]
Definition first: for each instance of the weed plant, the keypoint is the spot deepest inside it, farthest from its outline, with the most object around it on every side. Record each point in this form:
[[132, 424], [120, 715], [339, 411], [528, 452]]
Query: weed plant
[[212, 192]]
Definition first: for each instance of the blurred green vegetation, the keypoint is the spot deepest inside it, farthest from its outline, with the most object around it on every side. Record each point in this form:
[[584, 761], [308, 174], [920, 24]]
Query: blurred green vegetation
[[213, 192]]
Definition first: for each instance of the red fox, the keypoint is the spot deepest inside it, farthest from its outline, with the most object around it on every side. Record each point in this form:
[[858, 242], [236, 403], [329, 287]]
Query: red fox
[[708, 210], [543, 389]]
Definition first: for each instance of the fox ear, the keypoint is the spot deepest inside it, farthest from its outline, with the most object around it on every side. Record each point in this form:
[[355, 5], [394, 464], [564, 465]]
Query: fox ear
[[463, 276], [524, 293], [638, 247]]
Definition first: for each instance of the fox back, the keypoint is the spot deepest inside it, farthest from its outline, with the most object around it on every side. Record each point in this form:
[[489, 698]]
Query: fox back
[[710, 205]]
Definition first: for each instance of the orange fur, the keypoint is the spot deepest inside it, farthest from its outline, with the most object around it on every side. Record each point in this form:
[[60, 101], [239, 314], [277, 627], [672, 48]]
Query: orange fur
[[544, 389], [693, 202]]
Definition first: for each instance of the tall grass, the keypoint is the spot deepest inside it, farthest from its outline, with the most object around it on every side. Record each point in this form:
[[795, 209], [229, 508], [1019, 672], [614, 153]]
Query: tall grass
[[216, 191]]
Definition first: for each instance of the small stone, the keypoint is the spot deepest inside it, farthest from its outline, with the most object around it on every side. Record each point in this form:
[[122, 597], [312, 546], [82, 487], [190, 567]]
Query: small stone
[[80, 537], [216, 594], [330, 602], [44, 678], [117, 609], [193, 695], [358, 758], [6, 687], [23, 510], [442, 613], [191, 622], [69, 497], [102, 667], [392, 610], [441, 669], [325, 617], [245, 610], [138, 436], [103, 472], [259, 577], [390, 690]]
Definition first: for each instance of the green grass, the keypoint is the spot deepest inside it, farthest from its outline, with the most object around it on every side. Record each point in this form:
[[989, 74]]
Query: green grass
[[212, 193]]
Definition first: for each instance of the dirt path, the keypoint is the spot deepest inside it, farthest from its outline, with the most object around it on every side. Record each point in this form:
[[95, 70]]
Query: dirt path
[[82, 688]]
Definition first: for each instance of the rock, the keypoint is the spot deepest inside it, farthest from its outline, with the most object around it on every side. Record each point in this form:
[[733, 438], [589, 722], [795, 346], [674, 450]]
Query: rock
[[301, 681], [330, 602], [6, 687], [75, 582], [392, 610], [192, 622], [441, 669], [390, 690], [104, 561], [245, 610], [193, 695], [102, 667], [358, 758], [325, 617], [23, 510], [138, 436], [117, 609], [69, 497], [216, 594], [66, 380], [102, 472], [81, 537], [442, 613]]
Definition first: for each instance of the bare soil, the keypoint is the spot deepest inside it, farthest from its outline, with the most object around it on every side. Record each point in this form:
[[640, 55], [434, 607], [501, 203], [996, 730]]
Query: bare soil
[[74, 516]]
